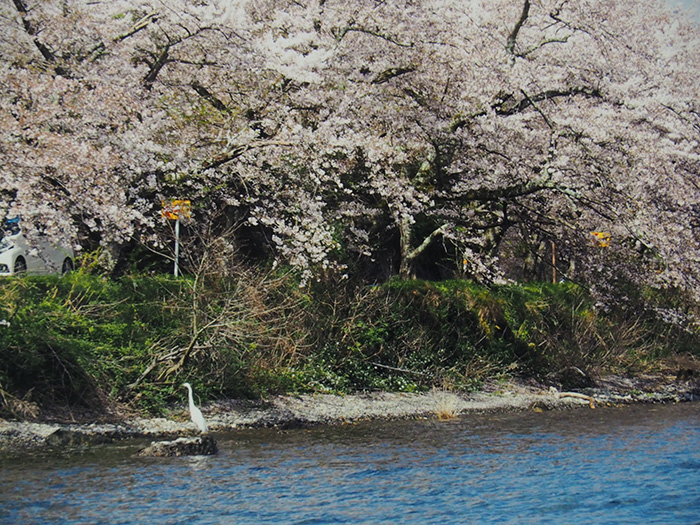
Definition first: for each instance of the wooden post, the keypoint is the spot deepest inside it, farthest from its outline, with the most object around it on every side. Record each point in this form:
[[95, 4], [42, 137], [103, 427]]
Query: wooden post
[[554, 263]]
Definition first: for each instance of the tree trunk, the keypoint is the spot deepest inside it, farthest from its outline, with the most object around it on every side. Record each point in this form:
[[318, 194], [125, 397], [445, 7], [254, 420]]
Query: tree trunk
[[405, 266], [408, 254]]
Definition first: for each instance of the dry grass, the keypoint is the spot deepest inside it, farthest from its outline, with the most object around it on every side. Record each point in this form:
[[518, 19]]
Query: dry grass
[[446, 405], [16, 407]]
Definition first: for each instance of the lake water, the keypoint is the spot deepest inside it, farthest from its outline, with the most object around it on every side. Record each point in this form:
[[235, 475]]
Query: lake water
[[636, 464]]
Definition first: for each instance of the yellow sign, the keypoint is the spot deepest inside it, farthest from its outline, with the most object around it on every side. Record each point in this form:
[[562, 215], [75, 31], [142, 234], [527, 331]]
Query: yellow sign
[[602, 239], [176, 209]]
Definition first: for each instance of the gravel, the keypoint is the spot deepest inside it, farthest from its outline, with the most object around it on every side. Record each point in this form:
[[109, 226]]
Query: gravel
[[306, 410]]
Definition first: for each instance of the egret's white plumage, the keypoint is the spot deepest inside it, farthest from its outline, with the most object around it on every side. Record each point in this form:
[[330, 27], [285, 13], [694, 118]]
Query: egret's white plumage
[[195, 413]]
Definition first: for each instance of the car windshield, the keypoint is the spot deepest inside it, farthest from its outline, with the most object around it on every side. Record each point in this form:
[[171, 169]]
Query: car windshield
[[10, 227]]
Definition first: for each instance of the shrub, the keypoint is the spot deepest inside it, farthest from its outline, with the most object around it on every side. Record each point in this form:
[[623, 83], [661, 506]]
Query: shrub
[[83, 340]]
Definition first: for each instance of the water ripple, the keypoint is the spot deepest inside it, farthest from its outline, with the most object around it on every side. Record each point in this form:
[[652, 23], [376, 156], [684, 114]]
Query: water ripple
[[631, 465]]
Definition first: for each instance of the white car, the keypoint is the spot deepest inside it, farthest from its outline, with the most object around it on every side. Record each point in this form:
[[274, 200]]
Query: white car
[[17, 255]]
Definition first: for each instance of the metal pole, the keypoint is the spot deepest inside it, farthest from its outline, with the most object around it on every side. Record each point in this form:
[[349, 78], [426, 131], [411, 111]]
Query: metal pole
[[177, 245]]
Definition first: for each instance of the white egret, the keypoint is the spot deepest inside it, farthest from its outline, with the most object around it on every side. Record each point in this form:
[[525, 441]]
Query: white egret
[[195, 413]]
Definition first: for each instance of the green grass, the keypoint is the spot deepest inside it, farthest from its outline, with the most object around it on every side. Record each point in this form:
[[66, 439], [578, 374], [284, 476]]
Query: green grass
[[84, 340]]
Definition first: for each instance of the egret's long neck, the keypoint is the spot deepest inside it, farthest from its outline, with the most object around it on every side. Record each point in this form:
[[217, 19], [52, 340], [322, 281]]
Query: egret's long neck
[[189, 394]]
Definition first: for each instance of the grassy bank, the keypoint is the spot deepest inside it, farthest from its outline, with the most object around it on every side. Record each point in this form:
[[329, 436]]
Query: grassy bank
[[85, 341]]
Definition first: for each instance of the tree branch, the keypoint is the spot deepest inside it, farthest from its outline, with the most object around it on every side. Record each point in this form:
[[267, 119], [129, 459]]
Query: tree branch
[[339, 34], [392, 72], [534, 105], [138, 26], [209, 96], [426, 242], [101, 47], [48, 55], [510, 44], [543, 43], [237, 151], [162, 59], [504, 109], [164, 56], [507, 105]]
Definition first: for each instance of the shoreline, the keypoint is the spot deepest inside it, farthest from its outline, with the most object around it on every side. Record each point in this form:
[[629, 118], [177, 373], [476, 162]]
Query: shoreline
[[298, 411]]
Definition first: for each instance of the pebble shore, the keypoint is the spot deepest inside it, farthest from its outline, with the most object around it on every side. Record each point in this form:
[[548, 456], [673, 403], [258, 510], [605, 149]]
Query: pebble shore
[[307, 410]]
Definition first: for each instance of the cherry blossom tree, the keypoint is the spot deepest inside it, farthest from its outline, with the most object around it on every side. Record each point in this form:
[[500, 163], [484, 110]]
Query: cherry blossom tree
[[397, 134]]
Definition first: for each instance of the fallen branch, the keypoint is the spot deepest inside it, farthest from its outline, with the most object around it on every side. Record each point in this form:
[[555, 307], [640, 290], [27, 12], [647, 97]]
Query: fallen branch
[[591, 401], [396, 369]]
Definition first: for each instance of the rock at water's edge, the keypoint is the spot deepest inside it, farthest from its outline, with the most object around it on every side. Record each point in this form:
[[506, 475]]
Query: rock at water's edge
[[184, 446], [63, 437]]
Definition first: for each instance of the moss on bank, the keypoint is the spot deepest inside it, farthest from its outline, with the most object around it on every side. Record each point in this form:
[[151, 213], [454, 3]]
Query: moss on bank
[[82, 340]]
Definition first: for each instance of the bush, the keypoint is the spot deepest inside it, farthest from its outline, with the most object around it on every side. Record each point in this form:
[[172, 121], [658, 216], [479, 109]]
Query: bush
[[82, 340], [74, 340]]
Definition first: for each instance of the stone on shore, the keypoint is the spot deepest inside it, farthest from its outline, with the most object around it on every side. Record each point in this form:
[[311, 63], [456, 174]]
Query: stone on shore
[[184, 446]]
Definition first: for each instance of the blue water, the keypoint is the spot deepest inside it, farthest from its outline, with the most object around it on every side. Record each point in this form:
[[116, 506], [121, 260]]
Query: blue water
[[612, 465]]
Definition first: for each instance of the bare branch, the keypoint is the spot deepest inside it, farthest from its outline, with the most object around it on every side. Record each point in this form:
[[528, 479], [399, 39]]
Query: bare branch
[[510, 45], [426, 242], [160, 61], [32, 31], [138, 26], [340, 34], [534, 105], [237, 151], [163, 57], [392, 72], [209, 96], [543, 43], [506, 104], [503, 107]]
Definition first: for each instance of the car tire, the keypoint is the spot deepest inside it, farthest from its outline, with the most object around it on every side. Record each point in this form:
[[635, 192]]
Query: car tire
[[20, 265], [67, 266]]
